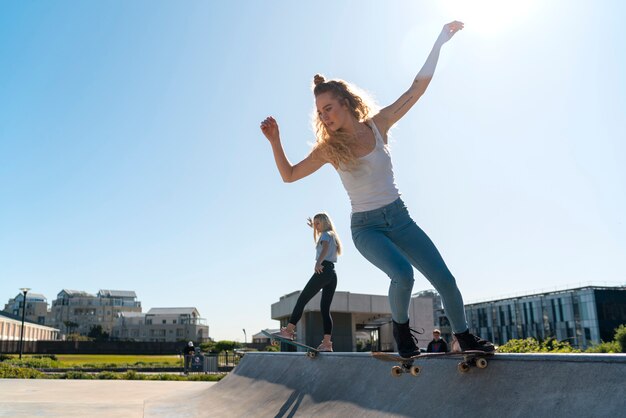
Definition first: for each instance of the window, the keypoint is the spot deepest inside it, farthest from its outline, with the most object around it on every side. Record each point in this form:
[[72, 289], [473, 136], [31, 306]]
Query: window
[[164, 321]]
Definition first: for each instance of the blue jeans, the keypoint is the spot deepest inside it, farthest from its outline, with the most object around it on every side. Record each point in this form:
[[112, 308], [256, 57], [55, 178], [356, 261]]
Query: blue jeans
[[393, 242]]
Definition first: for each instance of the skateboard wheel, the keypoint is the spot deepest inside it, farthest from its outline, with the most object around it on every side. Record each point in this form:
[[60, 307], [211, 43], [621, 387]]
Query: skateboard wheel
[[414, 370], [311, 354], [275, 343], [463, 367], [396, 371], [481, 363]]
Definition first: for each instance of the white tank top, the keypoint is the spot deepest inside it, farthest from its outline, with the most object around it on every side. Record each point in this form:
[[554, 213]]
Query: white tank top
[[371, 184]]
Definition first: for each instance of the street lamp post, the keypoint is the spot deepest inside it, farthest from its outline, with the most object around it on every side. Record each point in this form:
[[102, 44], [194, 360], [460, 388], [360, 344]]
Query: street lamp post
[[245, 336], [24, 291]]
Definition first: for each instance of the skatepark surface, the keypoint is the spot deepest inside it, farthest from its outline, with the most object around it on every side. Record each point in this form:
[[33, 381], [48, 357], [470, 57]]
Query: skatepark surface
[[356, 385], [346, 385], [87, 398]]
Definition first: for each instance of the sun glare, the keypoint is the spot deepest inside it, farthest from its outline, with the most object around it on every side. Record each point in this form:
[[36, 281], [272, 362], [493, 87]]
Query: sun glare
[[490, 17]]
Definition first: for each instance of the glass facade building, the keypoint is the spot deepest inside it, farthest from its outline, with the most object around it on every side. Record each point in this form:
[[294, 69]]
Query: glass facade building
[[582, 316]]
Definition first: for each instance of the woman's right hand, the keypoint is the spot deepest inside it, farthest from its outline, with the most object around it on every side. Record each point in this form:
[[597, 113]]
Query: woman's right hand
[[269, 127]]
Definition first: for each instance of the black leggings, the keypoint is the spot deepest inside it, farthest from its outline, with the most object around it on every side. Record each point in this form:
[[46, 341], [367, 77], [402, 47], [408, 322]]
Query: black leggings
[[326, 281]]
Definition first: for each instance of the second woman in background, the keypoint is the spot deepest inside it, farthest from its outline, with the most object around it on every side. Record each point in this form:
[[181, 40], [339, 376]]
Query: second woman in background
[[328, 247]]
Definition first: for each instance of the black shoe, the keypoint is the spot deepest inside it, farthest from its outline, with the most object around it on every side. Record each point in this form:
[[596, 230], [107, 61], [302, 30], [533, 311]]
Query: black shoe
[[468, 342], [405, 340]]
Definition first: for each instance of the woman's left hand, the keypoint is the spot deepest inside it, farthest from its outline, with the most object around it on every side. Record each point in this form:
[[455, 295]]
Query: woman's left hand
[[319, 268], [448, 31]]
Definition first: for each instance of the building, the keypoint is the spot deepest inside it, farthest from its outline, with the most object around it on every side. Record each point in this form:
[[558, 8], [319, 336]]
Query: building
[[11, 329], [75, 311], [582, 316], [360, 322], [161, 324], [36, 307], [262, 339]]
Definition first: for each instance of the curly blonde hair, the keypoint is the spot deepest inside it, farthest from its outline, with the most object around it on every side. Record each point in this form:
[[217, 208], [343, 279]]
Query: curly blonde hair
[[335, 146]]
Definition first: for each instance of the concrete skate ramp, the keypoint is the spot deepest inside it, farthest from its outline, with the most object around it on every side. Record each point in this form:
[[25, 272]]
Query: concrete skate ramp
[[356, 385]]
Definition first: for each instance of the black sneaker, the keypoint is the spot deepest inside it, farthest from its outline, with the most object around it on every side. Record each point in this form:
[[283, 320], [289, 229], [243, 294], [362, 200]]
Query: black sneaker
[[405, 340], [468, 342]]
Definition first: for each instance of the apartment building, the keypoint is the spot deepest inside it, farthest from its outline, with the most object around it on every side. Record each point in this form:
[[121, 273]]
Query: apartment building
[[75, 311], [582, 316], [162, 324], [36, 307]]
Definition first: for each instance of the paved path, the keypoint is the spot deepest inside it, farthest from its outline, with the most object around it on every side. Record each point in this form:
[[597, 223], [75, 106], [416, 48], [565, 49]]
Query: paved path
[[88, 398]]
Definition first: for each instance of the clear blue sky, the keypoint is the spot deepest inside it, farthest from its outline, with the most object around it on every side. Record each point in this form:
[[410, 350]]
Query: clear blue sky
[[131, 156]]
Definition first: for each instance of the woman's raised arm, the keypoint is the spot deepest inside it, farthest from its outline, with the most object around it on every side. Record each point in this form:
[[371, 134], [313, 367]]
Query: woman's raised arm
[[392, 113], [288, 172]]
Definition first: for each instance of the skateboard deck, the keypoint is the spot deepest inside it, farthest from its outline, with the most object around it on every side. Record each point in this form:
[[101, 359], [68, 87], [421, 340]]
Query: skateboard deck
[[471, 358], [310, 351]]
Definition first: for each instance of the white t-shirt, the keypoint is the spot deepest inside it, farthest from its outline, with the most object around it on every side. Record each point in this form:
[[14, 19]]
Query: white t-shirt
[[371, 184], [332, 247]]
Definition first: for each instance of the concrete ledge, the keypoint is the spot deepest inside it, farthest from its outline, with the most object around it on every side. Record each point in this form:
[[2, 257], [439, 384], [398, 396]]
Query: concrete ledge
[[355, 384]]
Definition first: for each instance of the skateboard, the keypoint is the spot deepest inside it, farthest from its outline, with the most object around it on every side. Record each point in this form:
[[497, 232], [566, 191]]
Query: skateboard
[[471, 358], [275, 339]]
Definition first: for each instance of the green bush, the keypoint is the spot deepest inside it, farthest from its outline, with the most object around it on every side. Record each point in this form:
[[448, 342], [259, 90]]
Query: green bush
[[76, 375], [205, 377], [552, 345], [530, 345], [189, 378], [133, 375], [108, 376], [620, 337], [603, 347], [34, 362], [8, 371], [50, 356]]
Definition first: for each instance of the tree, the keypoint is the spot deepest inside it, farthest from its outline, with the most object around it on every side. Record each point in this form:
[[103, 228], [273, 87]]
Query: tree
[[620, 337], [97, 333], [226, 346], [208, 347], [70, 326]]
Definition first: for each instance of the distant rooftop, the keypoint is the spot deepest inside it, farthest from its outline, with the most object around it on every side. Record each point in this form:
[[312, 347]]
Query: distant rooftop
[[31, 296], [173, 311], [73, 293], [126, 314], [106, 293], [558, 289]]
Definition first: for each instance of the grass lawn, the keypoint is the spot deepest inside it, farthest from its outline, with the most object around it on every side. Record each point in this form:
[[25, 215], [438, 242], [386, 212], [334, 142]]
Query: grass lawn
[[71, 360]]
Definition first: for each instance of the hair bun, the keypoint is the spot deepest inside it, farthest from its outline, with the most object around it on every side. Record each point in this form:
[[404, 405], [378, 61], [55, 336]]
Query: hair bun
[[318, 79]]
